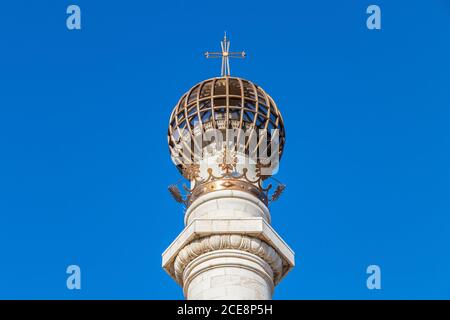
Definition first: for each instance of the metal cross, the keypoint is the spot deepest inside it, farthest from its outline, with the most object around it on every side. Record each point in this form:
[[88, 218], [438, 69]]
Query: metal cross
[[225, 55]]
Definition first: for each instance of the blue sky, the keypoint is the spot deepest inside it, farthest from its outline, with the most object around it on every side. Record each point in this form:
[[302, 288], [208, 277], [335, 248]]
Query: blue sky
[[84, 163]]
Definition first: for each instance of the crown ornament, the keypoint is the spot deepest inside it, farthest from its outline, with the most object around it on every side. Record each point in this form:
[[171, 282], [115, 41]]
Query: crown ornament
[[228, 179]]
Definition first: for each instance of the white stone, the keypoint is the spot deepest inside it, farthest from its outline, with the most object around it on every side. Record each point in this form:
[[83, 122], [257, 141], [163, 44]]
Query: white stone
[[247, 277], [256, 227], [226, 204], [228, 250]]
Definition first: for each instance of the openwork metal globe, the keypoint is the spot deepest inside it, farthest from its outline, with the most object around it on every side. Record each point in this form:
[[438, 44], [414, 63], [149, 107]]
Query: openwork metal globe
[[223, 103]]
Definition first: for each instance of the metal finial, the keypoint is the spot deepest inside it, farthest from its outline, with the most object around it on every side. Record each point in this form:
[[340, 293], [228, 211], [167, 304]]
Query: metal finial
[[225, 55]]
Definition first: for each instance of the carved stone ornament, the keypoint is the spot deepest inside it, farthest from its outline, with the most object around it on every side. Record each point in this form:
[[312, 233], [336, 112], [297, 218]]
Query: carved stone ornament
[[228, 241]]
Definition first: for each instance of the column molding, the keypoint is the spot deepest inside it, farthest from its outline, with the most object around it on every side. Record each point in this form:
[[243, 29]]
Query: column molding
[[204, 245]]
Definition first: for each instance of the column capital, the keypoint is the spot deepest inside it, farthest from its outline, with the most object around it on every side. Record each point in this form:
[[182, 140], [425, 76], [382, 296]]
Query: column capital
[[252, 235]]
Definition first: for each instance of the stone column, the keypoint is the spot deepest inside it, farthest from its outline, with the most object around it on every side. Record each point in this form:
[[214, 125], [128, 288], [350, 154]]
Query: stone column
[[228, 250]]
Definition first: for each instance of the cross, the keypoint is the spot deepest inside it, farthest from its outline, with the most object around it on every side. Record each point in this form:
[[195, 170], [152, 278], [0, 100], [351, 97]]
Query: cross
[[225, 55]]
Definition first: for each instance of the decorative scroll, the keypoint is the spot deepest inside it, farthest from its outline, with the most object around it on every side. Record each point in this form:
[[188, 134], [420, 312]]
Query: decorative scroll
[[277, 193]]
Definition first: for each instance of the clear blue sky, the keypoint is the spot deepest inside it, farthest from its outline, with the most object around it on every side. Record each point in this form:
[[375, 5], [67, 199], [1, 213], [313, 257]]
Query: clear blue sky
[[84, 165]]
